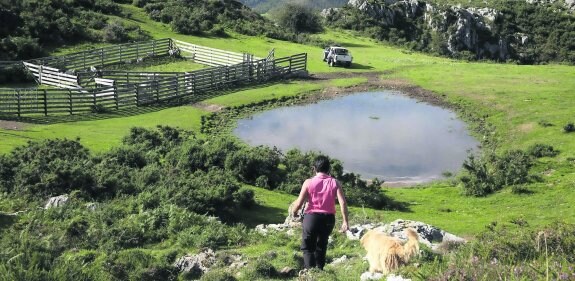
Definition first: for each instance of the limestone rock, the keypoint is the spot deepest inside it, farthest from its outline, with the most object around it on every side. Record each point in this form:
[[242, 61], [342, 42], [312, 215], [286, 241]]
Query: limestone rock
[[371, 276], [287, 272], [378, 276], [56, 201], [91, 206], [339, 260], [196, 264], [235, 261], [292, 221]]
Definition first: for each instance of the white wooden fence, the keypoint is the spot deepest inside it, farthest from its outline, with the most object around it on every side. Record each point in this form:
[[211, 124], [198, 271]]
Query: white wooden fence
[[211, 56], [46, 75]]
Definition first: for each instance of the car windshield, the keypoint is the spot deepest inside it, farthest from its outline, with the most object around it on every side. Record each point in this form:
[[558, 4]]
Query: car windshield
[[340, 51]]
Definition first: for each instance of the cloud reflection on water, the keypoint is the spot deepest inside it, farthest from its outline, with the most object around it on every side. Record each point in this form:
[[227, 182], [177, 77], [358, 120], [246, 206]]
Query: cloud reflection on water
[[376, 134]]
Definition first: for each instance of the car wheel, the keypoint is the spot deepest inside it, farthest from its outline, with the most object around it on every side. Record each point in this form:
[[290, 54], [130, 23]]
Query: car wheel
[[348, 64]]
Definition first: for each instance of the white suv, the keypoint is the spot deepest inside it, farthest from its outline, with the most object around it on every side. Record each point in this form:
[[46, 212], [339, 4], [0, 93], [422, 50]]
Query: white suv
[[334, 55]]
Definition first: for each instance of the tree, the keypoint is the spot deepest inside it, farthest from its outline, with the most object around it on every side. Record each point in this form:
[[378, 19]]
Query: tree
[[298, 19]]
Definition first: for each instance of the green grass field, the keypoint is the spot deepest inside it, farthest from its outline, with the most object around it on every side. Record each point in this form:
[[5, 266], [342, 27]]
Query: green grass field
[[515, 99]]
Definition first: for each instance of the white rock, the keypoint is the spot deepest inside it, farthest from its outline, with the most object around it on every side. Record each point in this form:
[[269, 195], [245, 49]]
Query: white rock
[[57, 201], [339, 260], [198, 264], [371, 276]]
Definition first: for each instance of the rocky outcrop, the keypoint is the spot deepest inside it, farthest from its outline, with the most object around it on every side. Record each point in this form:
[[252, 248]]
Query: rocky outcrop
[[379, 276], [569, 4], [196, 264], [461, 29], [56, 201], [293, 220]]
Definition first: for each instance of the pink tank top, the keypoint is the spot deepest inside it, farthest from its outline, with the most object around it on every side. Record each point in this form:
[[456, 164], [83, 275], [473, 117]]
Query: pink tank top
[[322, 191]]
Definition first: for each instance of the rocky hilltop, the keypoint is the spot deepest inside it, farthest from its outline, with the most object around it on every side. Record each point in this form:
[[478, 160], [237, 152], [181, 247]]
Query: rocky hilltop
[[481, 33]]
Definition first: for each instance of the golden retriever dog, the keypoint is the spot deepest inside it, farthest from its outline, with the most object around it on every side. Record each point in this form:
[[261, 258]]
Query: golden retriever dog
[[386, 253]]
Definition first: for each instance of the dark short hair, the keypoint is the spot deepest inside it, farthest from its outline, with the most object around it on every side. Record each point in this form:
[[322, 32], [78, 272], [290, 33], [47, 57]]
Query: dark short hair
[[321, 164]]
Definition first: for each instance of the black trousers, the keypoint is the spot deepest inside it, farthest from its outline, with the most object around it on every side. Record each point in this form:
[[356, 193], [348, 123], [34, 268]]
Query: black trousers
[[315, 234]]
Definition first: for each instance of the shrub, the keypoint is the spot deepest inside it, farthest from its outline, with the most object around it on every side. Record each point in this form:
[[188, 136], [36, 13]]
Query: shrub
[[569, 128], [542, 150], [258, 165], [218, 275], [46, 168], [297, 18], [478, 181], [490, 173], [115, 32], [512, 168], [260, 269]]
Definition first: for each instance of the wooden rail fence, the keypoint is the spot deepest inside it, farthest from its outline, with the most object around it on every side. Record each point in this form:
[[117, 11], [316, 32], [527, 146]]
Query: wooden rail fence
[[45, 75], [117, 90], [211, 56], [107, 56]]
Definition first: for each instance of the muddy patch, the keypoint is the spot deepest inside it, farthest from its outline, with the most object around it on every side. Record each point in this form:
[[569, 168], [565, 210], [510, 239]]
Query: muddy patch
[[526, 128], [374, 82], [12, 125], [208, 107]]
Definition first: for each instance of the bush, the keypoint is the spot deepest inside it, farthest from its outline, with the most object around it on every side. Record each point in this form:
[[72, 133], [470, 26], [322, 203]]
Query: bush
[[490, 173], [297, 18], [512, 168], [258, 165], [115, 32], [47, 168], [569, 128], [218, 275], [260, 269], [479, 180], [542, 150]]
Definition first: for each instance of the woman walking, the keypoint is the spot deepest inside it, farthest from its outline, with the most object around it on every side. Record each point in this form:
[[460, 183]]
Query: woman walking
[[321, 192]]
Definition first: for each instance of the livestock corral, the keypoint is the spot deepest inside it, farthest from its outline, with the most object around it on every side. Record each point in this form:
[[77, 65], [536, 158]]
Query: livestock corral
[[83, 82]]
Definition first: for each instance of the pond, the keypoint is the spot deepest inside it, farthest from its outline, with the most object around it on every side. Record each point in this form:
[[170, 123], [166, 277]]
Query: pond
[[384, 135]]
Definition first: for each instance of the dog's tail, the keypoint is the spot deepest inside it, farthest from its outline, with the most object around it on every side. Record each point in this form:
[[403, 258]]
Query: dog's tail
[[411, 248]]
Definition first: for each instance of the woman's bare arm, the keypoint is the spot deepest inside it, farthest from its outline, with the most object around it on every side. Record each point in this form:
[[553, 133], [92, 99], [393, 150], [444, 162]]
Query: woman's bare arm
[[343, 207], [301, 198]]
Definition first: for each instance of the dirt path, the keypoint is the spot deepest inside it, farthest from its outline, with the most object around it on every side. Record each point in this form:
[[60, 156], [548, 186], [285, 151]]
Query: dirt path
[[11, 125]]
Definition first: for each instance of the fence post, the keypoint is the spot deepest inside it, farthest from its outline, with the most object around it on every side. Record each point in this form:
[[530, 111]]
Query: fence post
[[40, 74], [70, 99], [305, 61], [137, 95], [84, 59], [45, 103], [193, 84], [94, 96], [102, 57], [137, 50], [121, 58], [19, 105], [154, 48], [116, 96], [177, 86], [290, 65], [227, 75], [157, 86]]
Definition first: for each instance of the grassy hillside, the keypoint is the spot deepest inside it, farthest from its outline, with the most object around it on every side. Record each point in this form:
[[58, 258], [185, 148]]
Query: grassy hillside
[[524, 105]]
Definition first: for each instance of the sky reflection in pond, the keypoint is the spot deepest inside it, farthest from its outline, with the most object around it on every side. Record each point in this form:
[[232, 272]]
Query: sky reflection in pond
[[375, 134]]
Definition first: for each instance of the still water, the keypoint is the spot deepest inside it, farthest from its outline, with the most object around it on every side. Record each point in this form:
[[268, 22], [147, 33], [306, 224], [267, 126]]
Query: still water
[[382, 135]]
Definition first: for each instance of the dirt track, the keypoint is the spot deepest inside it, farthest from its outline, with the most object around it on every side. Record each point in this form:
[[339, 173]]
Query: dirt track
[[11, 125], [375, 82]]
